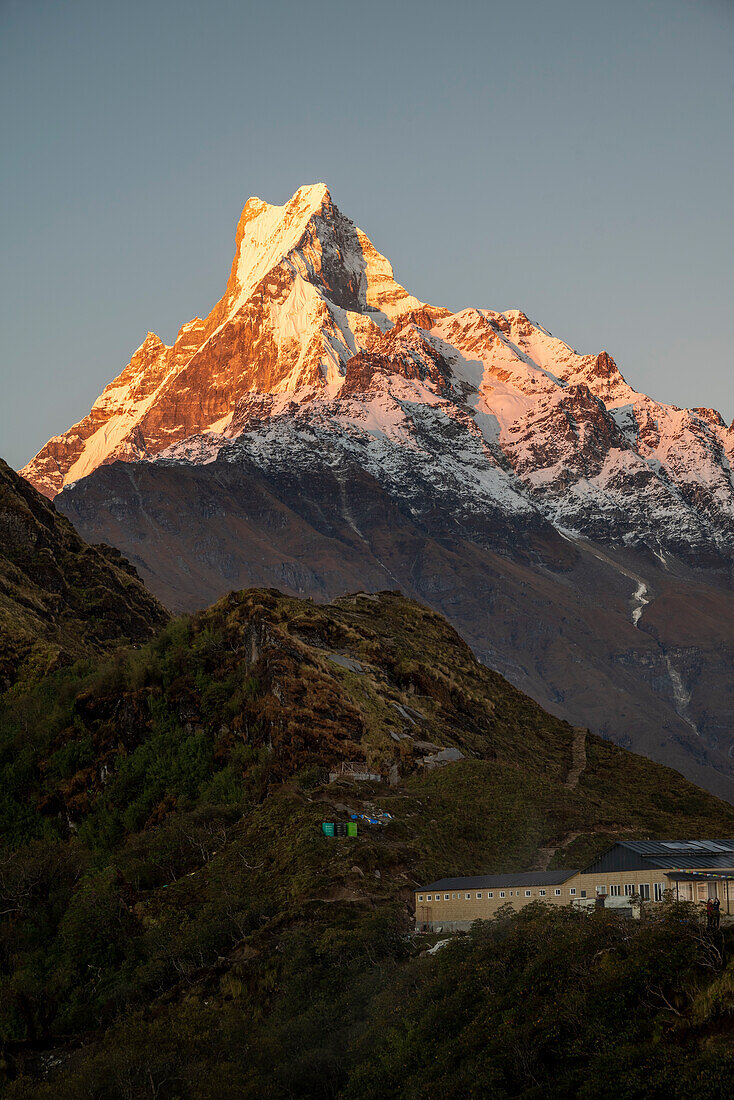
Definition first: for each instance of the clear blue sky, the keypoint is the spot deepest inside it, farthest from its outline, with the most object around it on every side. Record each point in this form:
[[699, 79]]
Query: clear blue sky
[[573, 158]]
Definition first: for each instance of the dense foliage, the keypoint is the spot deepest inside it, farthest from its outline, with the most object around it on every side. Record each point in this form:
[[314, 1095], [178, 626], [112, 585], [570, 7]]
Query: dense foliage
[[173, 923], [552, 1002]]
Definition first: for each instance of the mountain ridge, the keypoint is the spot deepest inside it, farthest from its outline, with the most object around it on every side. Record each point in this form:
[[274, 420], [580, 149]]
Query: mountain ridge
[[307, 292], [636, 650]]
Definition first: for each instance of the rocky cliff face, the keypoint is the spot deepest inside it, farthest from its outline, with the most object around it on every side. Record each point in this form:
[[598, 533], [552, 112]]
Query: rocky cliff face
[[322, 430]]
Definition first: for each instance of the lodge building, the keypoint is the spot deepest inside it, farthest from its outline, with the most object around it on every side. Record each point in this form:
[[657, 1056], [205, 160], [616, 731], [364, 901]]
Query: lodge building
[[629, 873]]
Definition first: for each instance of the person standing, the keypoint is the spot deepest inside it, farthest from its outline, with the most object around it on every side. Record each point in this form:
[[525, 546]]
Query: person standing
[[716, 915], [710, 914]]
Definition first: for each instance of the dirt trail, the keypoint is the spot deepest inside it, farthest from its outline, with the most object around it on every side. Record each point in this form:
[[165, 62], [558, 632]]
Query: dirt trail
[[578, 758], [578, 764], [545, 855]]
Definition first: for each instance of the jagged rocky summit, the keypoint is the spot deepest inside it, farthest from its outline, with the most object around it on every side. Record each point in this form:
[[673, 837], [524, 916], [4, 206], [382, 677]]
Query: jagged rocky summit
[[323, 430]]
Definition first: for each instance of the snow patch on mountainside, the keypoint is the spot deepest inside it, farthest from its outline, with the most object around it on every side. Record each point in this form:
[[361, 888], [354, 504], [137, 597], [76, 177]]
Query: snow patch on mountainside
[[681, 696], [640, 601]]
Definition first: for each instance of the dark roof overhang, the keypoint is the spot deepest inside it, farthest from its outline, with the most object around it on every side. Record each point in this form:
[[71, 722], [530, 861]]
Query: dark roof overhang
[[489, 882], [699, 876]]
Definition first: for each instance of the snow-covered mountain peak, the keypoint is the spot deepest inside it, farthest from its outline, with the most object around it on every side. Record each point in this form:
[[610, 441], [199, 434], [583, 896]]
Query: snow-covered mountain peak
[[310, 238], [315, 340], [711, 416], [307, 290], [305, 201], [266, 234]]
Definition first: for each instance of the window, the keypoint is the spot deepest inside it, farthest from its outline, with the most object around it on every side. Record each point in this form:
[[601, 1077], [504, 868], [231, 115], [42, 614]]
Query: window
[[572, 890], [557, 893], [645, 891], [528, 894], [601, 890], [583, 893], [479, 896], [658, 890], [615, 890], [420, 897], [446, 897], [429, 897], [629, 889], [454, 896], [468, 896], [490, 894], [502, 893], [542, 893]]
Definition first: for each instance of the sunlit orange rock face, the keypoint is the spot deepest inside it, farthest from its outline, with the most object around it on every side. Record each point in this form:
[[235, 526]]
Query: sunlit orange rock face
[[307, 290]]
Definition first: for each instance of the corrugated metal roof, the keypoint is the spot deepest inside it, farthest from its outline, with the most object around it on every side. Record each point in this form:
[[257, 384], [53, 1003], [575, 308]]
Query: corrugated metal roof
[[640, 855], [488, 882], [684, 853], [678, 847], [691, 859]]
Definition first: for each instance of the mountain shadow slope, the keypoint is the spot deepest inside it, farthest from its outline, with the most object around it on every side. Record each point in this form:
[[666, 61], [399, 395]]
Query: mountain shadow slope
[[60, 598]]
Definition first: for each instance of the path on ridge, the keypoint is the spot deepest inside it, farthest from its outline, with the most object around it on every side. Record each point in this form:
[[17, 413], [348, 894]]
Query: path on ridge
[[578, 764], [578, 758]]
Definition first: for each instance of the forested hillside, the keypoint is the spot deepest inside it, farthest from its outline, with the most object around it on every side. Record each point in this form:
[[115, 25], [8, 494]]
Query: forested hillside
[[174, 922]]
